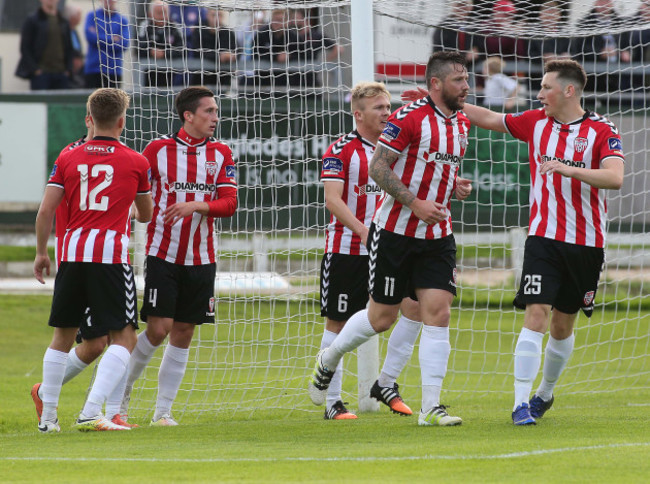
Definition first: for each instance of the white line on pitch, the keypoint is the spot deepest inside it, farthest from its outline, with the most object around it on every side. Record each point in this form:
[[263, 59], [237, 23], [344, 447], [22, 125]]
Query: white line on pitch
[[331, 459]]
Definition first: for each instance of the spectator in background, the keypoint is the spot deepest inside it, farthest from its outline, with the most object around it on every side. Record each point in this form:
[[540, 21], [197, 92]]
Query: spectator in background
[[46, 54], [600, 47], [217, 44], [246, 33], [553, 45], [159, 41], [274, 40], [73, 14], [187, 17], [500, 90], [107, 34], [503, 21], [635, 44], [455, 32], [311, 49]]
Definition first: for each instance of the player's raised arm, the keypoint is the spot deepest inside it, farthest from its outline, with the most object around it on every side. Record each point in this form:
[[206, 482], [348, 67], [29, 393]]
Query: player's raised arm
[[485, 118], [481, 117]]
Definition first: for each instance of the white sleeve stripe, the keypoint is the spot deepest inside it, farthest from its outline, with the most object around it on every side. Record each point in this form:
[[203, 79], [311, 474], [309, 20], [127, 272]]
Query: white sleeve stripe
[[52, 184]]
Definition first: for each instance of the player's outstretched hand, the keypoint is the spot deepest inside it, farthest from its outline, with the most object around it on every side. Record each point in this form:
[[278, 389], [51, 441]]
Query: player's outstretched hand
[[414, 94], [463, 188], [41, 262], [429, 211]]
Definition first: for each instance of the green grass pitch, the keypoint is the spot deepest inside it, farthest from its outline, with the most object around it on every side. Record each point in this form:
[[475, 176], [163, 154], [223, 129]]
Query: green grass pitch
[[594, 433]]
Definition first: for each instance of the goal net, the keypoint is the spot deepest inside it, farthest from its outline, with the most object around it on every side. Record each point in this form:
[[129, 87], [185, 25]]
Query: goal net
[[280, 112]]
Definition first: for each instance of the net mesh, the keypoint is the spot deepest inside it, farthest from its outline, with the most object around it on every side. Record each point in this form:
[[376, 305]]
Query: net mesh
[[279, 114]]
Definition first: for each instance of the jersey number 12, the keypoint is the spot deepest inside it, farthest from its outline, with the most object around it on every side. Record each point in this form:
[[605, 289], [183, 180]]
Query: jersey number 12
[[91, 201]]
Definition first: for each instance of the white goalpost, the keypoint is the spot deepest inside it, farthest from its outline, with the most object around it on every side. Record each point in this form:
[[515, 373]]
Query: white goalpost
[[280, 115]]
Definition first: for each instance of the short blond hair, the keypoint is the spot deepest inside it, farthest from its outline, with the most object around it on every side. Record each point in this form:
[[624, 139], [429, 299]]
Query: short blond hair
[[365, 90], [494, 65], [107, 105]]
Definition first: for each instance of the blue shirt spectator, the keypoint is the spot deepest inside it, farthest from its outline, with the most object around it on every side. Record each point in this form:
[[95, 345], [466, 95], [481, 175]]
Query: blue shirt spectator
[[107, 33]]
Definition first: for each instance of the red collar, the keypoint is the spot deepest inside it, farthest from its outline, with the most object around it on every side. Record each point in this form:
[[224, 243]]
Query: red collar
[[190, 140]]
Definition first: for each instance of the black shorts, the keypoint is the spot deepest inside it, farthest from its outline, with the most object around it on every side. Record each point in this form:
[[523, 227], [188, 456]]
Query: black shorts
[[560, 274], [88, 330], [183, 293], [106, 290], [400, 264], [343, 285]]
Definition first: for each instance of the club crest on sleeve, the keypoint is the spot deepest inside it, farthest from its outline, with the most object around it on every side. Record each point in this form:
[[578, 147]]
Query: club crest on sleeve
[[390, 133], [231, 171], [53, 170], [332, 166], [580, 144], [615, 144]]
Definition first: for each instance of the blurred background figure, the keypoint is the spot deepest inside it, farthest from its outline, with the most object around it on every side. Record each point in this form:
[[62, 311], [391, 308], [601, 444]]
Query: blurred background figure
[[556, 43], [189, 16], [72, 13], [214, 43], [46, 54], [455, 32], [107, 34], [506, 45], [601, 47], [159, 42], [274, 40], [311, 49], [500, 91]]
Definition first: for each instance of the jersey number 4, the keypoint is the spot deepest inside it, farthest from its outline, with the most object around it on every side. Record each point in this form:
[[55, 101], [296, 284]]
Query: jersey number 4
[[92, 201]]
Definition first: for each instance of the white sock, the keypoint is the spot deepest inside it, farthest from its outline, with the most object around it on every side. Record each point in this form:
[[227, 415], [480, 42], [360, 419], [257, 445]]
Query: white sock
[[399, 351], [140, 358], [54, 363], [336, 385], [170, 377], [528, 357], [434, 356], [556, 356], [73, 366], [110, 371], [114, 399], [355, 332]]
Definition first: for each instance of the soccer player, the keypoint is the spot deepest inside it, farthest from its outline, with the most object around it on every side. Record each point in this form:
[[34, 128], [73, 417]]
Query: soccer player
[[193, 182], [99, 181], [351, 197], [92, 340], [575, 155], [412, 248]]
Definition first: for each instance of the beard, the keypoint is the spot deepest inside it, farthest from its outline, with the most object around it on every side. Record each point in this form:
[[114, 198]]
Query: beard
[[452, 102]]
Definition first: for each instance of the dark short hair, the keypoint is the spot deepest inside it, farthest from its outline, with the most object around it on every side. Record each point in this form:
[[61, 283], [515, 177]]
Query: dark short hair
[[568, 71], [189, 98], [439, 64]]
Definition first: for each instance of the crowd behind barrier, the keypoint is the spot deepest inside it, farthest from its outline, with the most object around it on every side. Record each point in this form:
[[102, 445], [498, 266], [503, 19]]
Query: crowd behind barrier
[[286, 49]]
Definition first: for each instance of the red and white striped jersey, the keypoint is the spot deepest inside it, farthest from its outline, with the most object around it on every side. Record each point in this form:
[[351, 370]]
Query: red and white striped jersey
[[346, 161], [431, 148], [101, 180], [186, 170], [61, 219], [563, 208]]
